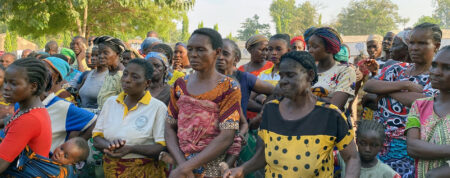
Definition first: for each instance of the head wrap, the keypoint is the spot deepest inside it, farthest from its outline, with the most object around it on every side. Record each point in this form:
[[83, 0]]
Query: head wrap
[[115, 44], [159, 56], [342, 55], [298, 38], [377, 38], [255, 39], [68, 52], [61, 66], [331, 38], [404, 36], [308, 33], [181, 44], [148, 42]]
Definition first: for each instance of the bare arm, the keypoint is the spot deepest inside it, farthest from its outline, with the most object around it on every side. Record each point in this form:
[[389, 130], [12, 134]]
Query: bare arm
[[170, 134], [339, 99], [253, 105], [151, 151], [258, 161], [3, 165], [263, 87], [101, 143], [424, 150], [406, 98], [383, 87], [351, 158]]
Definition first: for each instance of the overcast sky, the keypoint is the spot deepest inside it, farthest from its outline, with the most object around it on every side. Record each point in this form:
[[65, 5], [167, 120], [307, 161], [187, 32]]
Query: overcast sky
[[229, 14]]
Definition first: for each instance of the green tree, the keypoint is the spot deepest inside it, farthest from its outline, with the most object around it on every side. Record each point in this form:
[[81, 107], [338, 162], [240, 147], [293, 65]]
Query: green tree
[[185, 29], [200, 25], [368, 17], [7, 43], [429, 19], [86, 17], [293, 19], [230, 37], [252, 26], [14, 39], [216, 27], [442, 12]]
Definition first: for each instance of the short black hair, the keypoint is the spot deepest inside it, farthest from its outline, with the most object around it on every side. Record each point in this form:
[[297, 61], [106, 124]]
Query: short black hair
[[305, 59], [284, 37], [148, 67], [82, 39], [51, 46], [165, 49], [368, 125], [435, 29], [61, 56], [214, 36], [82, 144], [36, 72], [236, 49]]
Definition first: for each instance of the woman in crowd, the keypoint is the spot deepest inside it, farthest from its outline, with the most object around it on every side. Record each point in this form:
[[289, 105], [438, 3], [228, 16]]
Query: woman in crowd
[[110, 49], [336, 82], [79, 47], [159, 87], [30, 126], [6, 109], [257, 47], [399, 85], [71, 57], [91, 86], [226, 64], [148, 43], [374, 46], [298, 43], [428, 136], [180, 58], [278, 46], [206, 100], [293, 142], [130, 127], [57, 69], [399, 50]]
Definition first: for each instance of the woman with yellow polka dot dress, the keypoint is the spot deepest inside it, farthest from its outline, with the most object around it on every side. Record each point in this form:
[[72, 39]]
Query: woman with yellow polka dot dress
[[298, 132]]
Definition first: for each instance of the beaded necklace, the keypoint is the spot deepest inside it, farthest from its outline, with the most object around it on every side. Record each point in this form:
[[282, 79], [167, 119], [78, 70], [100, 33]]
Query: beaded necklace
[[20, 113]]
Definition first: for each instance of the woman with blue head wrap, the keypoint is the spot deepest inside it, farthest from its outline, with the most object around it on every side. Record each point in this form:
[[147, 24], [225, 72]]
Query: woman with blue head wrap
[[159, 87]]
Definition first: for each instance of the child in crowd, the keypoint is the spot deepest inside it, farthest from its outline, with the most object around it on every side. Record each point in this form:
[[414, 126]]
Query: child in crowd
[[369, 139], [73, 151]]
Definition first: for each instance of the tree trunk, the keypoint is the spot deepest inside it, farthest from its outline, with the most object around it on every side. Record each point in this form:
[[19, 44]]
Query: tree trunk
[[85, 21], [80, 32]]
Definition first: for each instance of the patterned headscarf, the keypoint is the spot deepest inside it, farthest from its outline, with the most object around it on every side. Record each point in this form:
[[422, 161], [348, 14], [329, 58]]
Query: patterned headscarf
[[404, 36], [308, 33], [298, 38], [115, 44], [331, 38], [159, 56], [255, 39]]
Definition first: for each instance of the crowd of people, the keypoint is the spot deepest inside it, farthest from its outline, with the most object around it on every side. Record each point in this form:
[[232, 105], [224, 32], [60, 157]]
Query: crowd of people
[[299, 108]]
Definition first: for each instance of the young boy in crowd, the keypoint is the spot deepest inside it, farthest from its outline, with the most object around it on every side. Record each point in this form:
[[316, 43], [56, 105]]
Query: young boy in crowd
[[72, 151], [369, 139]]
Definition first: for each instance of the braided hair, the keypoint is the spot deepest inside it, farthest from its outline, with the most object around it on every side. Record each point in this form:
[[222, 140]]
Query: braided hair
[[36, 72], [115, 44], [368, 125], [303, 58], [435, 29], [331, 39]]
